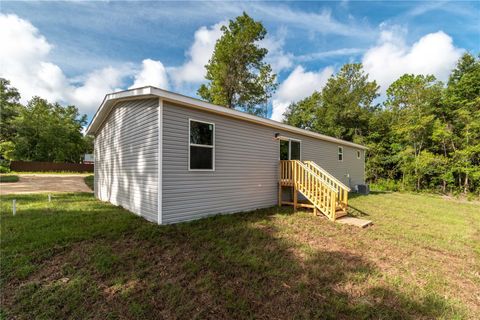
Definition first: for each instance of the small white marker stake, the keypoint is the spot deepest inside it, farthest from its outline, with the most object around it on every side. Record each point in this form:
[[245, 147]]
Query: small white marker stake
[[14, 206], [49, 197]]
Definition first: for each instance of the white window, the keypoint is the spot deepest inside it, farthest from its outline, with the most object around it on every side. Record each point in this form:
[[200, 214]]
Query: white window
[[201, 148], [359, 155], [340, 153]]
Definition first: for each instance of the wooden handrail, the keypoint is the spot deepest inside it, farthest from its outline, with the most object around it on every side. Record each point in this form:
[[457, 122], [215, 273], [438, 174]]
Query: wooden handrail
[[342, 189], [327, 175], [321, 194]]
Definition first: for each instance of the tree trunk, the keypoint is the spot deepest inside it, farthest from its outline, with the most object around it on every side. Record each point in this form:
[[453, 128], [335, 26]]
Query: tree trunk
[[465, 186]]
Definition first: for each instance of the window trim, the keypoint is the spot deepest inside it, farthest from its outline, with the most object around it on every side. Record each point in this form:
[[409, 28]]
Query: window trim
[[340, 152], [289, 147], [201, 145], [359, 155]]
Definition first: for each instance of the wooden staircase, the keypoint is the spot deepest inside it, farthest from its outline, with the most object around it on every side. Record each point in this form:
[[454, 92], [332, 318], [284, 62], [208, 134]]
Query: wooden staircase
[[324, 192]]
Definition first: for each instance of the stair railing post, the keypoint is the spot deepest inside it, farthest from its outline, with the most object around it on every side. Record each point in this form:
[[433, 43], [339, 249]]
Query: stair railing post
[[334, 209], [295, 196], [345, 196], [280, 183]]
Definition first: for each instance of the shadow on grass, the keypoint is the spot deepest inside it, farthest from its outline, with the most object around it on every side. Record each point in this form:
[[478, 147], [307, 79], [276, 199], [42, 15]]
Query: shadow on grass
[[231, 267], [353, 195], [354, 211]]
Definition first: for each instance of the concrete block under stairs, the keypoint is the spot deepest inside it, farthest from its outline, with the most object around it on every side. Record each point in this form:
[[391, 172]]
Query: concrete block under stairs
[[357, 222]]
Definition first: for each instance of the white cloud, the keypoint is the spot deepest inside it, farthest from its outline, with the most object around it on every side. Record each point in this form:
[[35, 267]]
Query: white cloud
[[24, 61], [321, 22], [277, 57], [193, 70], [433, 53], [329, 54], [298, 85], [96, 84], [28, 43], [153, 73], [313, 20]]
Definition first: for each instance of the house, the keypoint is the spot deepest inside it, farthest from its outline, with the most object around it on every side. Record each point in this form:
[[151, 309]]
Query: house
[[173, 158]]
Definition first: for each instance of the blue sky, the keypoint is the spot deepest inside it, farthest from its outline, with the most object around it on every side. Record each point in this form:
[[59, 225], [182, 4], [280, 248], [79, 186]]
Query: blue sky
[[75, 52]]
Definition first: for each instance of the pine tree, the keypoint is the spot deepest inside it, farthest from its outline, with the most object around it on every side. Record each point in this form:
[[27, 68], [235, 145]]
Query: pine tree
[[238, 77]]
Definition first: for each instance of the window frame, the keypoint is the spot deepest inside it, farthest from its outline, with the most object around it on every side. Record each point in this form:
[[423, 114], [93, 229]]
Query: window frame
[[340, 153], [190, 144], [359, 154]]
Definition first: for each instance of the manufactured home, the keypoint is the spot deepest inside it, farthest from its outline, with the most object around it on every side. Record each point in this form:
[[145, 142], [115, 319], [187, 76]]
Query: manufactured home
[[171, 158]]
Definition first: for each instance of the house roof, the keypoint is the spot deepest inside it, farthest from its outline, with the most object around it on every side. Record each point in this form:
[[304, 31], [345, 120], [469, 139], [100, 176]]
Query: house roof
[[152, 92]]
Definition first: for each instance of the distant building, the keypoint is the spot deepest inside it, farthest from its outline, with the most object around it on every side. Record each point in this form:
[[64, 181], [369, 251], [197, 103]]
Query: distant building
[[88, 158]]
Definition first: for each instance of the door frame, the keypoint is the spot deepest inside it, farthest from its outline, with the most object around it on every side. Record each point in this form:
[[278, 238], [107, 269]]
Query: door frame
[[289, 146]]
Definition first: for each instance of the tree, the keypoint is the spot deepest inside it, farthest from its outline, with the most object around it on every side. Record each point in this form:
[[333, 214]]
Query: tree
[[463, 102], [305, 113], [237, 73], [383, 147], [9, 109], [49, 132], [427, 135], [465, 65], [342, 109], [88, 145], [412, 99], [349, 101]]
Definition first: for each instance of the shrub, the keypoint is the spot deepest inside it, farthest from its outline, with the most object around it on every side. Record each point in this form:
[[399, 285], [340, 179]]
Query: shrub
[[4, 169], [386, 185], [9, 178]]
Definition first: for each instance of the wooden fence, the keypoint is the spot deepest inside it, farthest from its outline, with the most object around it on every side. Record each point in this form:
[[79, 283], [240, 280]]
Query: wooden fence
[[50, 166]]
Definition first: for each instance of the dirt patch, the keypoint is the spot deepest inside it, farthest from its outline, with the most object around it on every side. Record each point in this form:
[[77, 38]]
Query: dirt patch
[[44, 183]]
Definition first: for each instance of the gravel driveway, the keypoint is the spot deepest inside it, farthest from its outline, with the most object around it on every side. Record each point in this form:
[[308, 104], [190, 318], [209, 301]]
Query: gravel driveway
[[31, 183]]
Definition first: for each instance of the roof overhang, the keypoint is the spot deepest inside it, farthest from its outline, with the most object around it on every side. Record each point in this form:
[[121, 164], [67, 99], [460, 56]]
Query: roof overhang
[[111, 99]]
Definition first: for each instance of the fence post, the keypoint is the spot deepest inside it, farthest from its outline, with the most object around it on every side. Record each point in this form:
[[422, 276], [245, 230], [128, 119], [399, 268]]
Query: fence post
[[14, 206]]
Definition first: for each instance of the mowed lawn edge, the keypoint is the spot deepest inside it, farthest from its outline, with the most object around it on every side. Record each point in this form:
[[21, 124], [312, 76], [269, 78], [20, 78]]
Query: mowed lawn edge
[[81, 258]]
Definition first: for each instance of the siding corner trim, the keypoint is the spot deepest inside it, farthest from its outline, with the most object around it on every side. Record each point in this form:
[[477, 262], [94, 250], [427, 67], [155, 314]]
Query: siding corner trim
[[160, 159]]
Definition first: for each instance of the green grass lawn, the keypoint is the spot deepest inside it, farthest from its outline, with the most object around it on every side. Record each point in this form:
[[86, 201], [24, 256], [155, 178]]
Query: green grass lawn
[[79, 258], [89, 181], [8, 178]]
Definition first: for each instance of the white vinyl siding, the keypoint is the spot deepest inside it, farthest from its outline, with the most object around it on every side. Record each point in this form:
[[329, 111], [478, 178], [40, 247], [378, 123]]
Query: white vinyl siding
[[126, 158], [246, 165], [127, 149]]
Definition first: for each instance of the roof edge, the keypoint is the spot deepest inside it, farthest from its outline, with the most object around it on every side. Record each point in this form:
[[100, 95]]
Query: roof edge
[[110, 98], [149, 91]]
